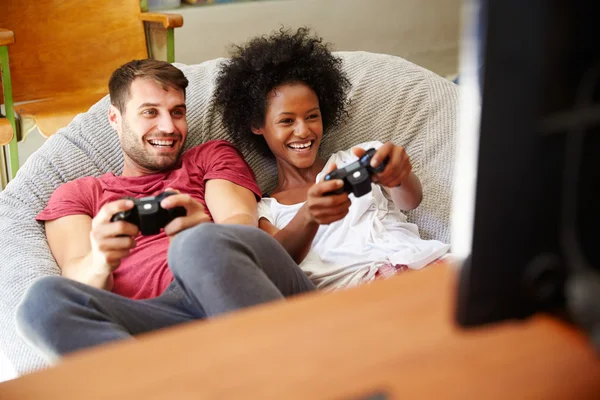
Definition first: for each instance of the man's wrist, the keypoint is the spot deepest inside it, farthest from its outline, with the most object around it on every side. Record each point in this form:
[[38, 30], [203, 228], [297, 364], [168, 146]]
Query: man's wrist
[[100, 277], [98, 270]]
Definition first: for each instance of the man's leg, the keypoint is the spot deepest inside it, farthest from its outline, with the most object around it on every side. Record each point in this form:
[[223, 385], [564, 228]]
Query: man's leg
[[222, 268], [59, 315]]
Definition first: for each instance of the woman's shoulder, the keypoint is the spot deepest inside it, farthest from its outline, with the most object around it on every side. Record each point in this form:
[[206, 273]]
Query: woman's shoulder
[[266, 199], [276, 213], [269, 201]]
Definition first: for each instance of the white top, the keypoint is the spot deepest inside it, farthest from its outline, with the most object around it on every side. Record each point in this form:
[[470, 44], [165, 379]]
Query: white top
[[374, 233]]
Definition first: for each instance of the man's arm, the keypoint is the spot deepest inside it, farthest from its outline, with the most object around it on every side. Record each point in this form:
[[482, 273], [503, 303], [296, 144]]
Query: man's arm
[[69, 240], [229, 203], [89, 250]]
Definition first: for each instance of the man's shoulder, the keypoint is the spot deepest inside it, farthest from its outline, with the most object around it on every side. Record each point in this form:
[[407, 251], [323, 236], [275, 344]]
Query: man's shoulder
[[91, 180], [84, 184], [78, 196], [211, 145], [211, 151]]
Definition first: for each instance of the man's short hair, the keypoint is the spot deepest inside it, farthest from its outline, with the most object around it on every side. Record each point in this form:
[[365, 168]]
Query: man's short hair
[[161, 72]]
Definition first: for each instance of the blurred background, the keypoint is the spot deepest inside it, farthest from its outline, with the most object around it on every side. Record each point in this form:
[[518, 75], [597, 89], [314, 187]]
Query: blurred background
[[425, 32]]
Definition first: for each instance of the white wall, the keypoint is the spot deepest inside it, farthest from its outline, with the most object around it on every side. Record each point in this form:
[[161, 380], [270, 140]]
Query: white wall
[[425, 32]]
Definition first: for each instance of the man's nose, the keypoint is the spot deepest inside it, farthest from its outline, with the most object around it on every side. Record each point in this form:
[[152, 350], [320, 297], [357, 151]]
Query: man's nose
[[165, 124]]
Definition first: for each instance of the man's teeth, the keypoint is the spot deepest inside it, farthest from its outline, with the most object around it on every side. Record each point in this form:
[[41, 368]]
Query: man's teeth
[[300, 145], [161, 142]]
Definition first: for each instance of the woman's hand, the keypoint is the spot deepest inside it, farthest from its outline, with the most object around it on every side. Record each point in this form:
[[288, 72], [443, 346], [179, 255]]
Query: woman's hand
[[400, 182], [323, 208], [398, 167], [195, 213]]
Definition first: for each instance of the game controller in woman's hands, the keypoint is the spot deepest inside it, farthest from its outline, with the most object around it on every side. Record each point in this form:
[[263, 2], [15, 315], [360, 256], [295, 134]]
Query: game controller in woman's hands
[[148, 215], [357, 175]]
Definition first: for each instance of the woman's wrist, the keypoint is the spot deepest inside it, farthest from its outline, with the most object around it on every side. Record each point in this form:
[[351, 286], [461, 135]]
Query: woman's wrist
[[409, 194], [307, 218]]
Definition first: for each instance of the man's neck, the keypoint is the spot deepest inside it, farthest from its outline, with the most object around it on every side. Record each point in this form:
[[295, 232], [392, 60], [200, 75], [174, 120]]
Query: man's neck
[[132, 170]]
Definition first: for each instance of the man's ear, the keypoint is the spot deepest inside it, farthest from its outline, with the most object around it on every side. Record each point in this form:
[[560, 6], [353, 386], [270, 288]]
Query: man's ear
[[256, 130], [114, 117]]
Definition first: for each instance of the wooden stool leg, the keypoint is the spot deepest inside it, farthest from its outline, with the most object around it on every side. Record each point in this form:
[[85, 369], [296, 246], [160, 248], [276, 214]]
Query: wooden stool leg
[[13, 151], [12, 158]]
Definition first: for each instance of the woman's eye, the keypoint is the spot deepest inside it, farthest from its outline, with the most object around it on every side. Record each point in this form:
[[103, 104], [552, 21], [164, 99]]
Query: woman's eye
[[286, 121], [313, 116]]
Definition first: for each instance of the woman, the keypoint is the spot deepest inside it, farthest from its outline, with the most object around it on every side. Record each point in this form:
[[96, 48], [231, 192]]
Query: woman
[[286, 90]]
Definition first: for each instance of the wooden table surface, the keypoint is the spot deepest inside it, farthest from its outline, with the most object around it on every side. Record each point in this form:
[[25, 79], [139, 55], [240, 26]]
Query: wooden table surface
[[395, 336]]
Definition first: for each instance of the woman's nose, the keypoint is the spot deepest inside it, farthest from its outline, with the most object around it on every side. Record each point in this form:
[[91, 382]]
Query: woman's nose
[[302, 129]]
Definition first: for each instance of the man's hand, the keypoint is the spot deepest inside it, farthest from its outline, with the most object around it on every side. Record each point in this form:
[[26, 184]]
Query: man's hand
[[194, 209], [111, 241], [398, 166], [325, 209]]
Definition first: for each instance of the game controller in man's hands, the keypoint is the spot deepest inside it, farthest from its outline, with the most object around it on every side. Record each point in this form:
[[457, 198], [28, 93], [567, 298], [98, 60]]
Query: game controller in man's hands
[[357, 175], [148, 215]]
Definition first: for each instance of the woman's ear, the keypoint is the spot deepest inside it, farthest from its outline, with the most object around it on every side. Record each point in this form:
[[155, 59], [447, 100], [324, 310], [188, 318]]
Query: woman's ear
[[256, 130]]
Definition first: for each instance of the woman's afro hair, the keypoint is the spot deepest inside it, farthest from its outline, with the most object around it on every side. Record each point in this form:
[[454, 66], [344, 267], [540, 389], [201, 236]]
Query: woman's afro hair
[[266, 62]]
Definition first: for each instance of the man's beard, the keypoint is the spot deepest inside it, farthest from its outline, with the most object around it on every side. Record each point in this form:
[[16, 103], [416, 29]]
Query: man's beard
[[136, 152]]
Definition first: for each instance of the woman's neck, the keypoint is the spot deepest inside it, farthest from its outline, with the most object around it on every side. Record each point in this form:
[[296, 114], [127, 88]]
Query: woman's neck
[[290, 177]]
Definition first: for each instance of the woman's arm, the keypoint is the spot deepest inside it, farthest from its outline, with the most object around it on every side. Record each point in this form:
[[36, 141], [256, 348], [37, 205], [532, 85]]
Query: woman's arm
[[397, 178], [408, 195], [319, 209], [297, 236]]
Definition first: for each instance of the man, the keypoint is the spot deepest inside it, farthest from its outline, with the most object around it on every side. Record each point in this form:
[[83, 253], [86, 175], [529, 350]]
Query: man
[[117, 283]]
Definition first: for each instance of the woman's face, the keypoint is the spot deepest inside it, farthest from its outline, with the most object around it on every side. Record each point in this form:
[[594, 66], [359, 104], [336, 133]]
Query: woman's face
[[293, 126]]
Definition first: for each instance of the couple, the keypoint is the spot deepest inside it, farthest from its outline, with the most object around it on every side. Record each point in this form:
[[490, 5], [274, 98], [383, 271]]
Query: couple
[[285, 90]]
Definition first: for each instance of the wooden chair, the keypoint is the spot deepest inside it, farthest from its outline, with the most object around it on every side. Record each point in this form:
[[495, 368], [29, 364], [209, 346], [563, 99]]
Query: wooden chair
[[62, 53]]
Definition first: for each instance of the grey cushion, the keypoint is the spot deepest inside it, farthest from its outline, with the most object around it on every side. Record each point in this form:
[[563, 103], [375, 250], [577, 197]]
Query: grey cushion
[[391, 99]]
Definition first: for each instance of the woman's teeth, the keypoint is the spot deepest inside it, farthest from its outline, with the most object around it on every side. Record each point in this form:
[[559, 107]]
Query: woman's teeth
[[300, 146]]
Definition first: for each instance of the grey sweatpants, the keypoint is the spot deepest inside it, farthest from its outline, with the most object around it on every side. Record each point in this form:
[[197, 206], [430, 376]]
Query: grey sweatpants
[[217, 269]]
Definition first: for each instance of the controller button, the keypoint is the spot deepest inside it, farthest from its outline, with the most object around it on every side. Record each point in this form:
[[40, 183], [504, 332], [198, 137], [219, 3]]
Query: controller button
[[147, 206], [357, 174]]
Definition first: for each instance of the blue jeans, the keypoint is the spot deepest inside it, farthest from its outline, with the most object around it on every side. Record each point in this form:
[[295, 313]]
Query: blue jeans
[[217, 269]]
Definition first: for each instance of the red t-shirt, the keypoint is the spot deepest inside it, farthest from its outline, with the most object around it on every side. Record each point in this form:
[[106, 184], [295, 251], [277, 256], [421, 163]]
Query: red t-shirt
[[145, 273]]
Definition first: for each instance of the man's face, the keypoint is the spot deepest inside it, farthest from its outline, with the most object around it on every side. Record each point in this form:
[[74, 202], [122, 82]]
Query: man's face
[[152, 128]]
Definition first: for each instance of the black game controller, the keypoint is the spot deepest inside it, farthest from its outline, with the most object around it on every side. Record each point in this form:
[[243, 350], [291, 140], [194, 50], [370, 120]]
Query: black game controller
[[357, 175], [148, 215]]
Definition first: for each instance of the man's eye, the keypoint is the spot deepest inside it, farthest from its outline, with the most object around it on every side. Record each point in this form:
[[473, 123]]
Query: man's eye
[[178, 113], [149, 112]]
